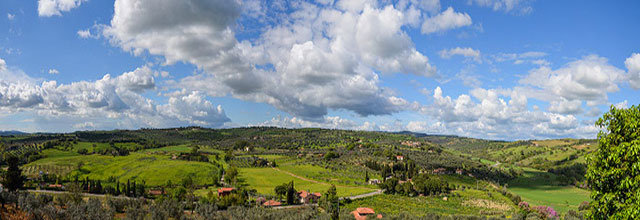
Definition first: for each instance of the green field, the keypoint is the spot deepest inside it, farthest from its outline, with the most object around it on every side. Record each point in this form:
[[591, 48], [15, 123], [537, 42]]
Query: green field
[[264, 180], [469, 202], [154, 169], [538, 188]]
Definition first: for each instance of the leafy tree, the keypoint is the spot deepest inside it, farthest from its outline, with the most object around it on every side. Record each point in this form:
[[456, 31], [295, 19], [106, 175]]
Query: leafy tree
[[13, 179], [281, 190], [614, 168], [330, 202], [231, 175]]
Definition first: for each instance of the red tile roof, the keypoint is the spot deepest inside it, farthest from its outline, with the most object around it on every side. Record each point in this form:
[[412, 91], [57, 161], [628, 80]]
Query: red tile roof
[[272, 203], [362, 213], [304, 194], [364, 210], [225, 190]]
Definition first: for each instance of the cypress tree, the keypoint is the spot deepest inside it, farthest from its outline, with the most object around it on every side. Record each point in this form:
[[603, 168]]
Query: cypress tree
[[13, 179]]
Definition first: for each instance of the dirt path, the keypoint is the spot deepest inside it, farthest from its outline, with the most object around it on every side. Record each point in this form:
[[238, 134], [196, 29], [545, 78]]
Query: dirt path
[[299, 177], [363, 195]]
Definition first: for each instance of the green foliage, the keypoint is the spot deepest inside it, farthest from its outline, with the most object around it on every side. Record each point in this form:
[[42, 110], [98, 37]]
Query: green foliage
[[281, 190], [330, 203], [231, 175], [292, 194], [614, 169], [13, 179]]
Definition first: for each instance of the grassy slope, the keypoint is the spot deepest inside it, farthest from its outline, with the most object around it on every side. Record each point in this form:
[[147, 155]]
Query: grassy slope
[[470, 202], [154, 169], [264, 180], [537, 188]]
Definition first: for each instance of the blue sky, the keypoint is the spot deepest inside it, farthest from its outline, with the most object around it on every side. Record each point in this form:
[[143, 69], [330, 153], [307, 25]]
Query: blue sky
[[499, 69]]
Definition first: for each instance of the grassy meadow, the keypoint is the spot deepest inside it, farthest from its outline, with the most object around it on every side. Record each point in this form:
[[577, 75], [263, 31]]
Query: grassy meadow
[[468, 202], [539, 188], [153, 169]]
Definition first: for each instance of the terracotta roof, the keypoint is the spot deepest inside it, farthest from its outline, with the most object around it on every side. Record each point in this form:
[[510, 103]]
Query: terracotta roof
[[272, 203], [362, 213], [225, 190], [304, 194], [155, 192], [364, 210]]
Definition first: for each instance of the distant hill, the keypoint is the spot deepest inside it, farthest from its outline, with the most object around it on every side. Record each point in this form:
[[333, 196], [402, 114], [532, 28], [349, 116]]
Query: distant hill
[[419, 135], [9, 133]]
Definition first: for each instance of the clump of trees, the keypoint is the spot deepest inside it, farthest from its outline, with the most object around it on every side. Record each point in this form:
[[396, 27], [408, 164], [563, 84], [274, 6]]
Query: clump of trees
[[193, 155], [422, 184]]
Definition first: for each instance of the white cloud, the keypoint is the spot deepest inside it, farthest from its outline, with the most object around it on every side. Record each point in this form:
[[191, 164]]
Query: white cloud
[[566, 107], [516, 6], [48, 8], [633, 66], [446, 20], [3, 65], [85, 33], [587, 79], [498, 113], [114, 102], [53, 71], [465, 52], [10, 16], [622, 105], [320, 58]]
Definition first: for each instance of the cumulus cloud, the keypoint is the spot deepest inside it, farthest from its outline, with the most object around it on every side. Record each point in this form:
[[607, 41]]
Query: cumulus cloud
[[10, 16], [53, 71], [587, 79], [497, 113], [317, 58], [111, 100], [465, 52], [446, 20], [566, 106], [633, 66], [48, 8]]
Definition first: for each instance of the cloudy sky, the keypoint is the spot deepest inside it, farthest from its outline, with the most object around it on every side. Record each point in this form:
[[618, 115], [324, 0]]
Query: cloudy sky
[[499, 69]]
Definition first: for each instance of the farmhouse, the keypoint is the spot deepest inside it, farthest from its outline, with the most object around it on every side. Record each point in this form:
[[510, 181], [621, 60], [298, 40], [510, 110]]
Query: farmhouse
[[363, 213], [156, 192], [308, 198], [400, 157], [411, 143], [55, 186], [374, 181], [271, 203], [459, 171], [224, 191], [440, 171]]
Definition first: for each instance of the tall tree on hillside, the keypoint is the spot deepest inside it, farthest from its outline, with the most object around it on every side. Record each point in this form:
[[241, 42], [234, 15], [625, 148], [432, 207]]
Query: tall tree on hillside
[[330, 202], [366, 176], [13, 179], [291, 194], [614, 168], [231, 175]]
